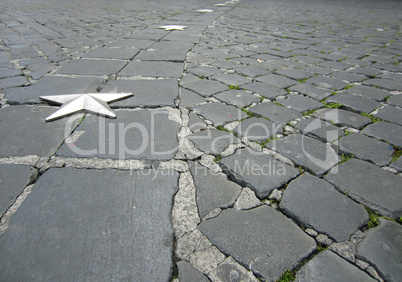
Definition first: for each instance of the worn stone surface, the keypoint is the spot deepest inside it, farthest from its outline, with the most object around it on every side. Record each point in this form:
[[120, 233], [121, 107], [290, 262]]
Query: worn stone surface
[[391, 114], [307, 152], [219, 113], [246, 200], [189, 98], [92, 67], [342, 117], [195, 122], [260, 231], [354, 102], [327, 266], [359, 179], [275, 112], [212, 141], [207, 260], [257, 170], [327, 82], [230, 270], [395, 100], [147, 93], [152, 69], [369, 92], [386, 131], [130, 237], [320, 129], [188, 273], [316, 204], [206, 88], [382, 247], [18, 122], [276, 80], [311, 90], [237, 98], [263, 89], [141, 134], [366, 148], [212, 191], [300, 103], [13, 179], [258, 129], [231, 79]]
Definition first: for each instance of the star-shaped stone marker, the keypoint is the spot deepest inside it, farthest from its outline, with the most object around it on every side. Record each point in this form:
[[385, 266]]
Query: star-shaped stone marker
[[205, 11], [173, 27], [95, 103]]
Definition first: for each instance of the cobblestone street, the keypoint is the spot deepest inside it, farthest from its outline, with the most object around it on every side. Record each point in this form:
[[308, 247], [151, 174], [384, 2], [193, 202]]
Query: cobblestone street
[[262, 141]]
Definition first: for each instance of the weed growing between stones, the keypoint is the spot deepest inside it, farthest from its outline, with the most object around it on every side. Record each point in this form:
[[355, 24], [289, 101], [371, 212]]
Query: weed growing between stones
[[217, 159], [396, 154], [287, 276], [373, 218], [373, 119], [333, 105], [348, 87], [345, 157], [309, 112], [234, 87], [302, 80]]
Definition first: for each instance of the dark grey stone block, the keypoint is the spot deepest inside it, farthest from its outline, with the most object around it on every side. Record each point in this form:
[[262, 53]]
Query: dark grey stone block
[[195, 122], [264, 240], [14, 81], [153, 69], [187, 273], [13, 180], [366, 71], [147, 93], [173, 45], [342, 117], [327, 82], [300, 103], [317, 204], [258, 129], [369, 92], [231, 79], [142, 134], [387, 84], [311, 91], [266, 90], [275, 112], [213, 142], [212, 191], [382, 247], [25, 132], [351, 77], [391, 114], [329, 267], [250, 71], [320, 129], [51, 85], [294, 73], [162, 55], [189, 98], [307, 152], [318, 70], [369, 185], [237, 98], [258, 171], [389, 132], [277, 80], [204, 71], [354, 102], [366, 148], [92, 67], [395, 100], [102, 224], [132, 43], [219, 113], [206, 88], [335, 65], [112, 53]]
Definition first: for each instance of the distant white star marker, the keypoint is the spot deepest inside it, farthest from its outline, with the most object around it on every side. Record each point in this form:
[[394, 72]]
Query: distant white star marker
[[95, 103], [173, 27]]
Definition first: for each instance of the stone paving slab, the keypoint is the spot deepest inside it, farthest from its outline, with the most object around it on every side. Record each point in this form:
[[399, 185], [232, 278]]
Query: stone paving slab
[[130, 237], [275, 112], [342, 117], [219, 113], [259, 233], [92, 67], [389, 132], [383, 248], [370, 185]]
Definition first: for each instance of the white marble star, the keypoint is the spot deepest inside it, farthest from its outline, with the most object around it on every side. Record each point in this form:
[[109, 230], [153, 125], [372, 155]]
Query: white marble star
[[95, 103], [205, 11], [173, 27]]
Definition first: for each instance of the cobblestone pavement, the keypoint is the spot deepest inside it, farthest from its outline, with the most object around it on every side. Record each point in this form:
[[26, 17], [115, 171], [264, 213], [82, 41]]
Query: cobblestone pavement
[[262, 142]]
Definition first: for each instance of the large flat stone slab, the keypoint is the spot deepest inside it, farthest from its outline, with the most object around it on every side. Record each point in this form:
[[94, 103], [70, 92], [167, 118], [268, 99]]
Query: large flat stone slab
[[320, 129], [237, 98], [307, 152], [13, 179], [262, 239], [317, 204], [213, 142], [300, 103], [258, 129], [112, 53], [342, 117], [391, 114], [382, 247], [206, 88], [275, 112], [152, 69], [366, 148], [354, 102], [92, 67], [369, 92], [219, 113], [142, 134], [389, 132], [311, 90], [92, 224], [147, 93], [212, 191], [329, 267], [25, 132], [263, 89], [369, 185], [327, 82], [51, 85], [258, 171]]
